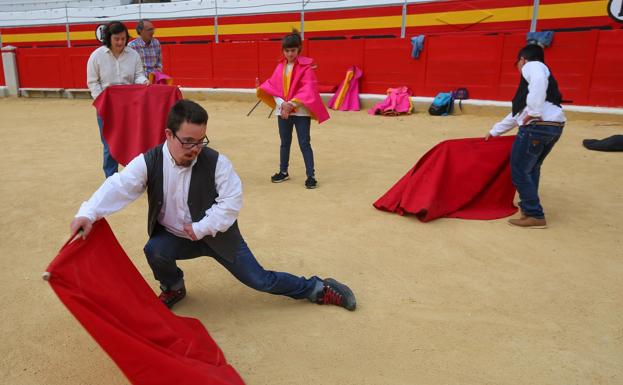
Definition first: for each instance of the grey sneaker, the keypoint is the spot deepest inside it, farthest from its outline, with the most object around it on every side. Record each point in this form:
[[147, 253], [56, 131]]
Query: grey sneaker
[[336, 293]]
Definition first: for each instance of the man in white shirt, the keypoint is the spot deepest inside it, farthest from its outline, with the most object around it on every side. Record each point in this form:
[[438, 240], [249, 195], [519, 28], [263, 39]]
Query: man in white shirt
[[194, 197], [538, 113], [111, 64]]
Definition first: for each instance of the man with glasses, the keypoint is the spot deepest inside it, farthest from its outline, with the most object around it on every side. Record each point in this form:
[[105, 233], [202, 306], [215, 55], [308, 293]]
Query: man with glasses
[[148, 47], [194, 197]]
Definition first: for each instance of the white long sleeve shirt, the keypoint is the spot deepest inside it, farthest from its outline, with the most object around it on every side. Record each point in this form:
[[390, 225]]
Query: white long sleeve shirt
[[537, 75], [104, 69], [126, 186]]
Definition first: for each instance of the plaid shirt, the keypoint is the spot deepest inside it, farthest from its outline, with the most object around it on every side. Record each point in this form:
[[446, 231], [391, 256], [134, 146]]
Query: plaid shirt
[[150, 54]]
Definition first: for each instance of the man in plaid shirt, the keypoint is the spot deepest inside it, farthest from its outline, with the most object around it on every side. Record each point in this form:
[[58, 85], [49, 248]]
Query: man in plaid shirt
[[148, 47]]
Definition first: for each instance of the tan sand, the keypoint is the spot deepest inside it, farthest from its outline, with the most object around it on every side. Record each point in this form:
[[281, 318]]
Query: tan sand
[[447, 302]]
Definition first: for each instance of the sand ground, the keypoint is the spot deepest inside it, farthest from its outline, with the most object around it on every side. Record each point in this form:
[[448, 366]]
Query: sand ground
[[446, 302]]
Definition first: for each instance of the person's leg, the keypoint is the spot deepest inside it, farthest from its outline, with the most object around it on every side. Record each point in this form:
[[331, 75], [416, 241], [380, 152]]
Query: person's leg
[[324, 292], [285, 134], [162, 251], [110, 165], [523, 163], [303, 128], [549, 141], [531, 147], [248, 271]]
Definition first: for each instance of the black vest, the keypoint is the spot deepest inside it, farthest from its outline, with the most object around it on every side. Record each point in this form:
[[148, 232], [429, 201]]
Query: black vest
[[202, 195], [553, 94]]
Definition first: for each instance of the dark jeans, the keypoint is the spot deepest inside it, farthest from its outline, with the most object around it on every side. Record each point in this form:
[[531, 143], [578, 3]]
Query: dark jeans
[[532, 145], [110, 165], [163, 250], [302, 124]]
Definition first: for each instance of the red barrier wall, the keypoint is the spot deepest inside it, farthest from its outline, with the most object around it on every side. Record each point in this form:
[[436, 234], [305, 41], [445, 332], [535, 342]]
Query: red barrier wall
[[2, 81], [53, 67], [586, 64]]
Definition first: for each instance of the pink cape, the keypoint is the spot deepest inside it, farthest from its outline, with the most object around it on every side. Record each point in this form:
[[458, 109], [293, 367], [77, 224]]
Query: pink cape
[[303, 88], [347, 96], [459, 178], [158, 77], [135, 117], [100, 286], [398, 101]]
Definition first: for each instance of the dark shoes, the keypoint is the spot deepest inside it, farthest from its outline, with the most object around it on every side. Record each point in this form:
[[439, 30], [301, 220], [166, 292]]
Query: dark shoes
[[282, 177], [171, 297], [311, 182], [279, 177], [336, 293], [528, 222]]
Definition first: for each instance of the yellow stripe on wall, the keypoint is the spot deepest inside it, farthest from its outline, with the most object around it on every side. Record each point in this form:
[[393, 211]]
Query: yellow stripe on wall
[[251, 28], [494, 15], [583, 9]]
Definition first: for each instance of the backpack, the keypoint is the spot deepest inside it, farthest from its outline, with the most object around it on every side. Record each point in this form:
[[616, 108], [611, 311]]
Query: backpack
[[442, 104]]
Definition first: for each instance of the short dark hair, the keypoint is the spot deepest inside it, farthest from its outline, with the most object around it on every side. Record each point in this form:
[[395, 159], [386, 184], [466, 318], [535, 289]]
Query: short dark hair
[[186, 111], [113, 28], [292, 40], [140, 26], [532, 52]]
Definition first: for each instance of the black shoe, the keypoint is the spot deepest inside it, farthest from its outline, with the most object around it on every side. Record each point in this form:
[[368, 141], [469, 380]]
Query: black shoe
[[171, 297], [335, 293], [279, 177], [311, 182]]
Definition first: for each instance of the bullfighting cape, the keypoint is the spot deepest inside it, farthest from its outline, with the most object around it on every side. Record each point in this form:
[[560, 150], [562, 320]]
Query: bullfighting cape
[[301, 86], [347, 96]]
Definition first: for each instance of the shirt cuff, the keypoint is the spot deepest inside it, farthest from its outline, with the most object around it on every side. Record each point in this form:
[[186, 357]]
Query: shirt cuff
[[85, 212], [199, 230]]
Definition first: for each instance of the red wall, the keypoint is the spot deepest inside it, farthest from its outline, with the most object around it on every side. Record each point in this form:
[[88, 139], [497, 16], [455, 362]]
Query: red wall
[[587, 64], [53, 67], [2, 81]]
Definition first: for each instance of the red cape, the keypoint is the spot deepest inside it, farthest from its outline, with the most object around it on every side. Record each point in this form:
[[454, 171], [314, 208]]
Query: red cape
[[459, 178], [101, 287], [135, 117]]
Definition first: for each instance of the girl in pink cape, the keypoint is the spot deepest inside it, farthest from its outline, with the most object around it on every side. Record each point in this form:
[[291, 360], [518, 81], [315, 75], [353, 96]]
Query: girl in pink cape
[[293, 91]]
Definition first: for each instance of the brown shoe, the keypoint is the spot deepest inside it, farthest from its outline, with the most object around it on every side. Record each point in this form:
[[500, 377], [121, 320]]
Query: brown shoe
[[529, 223]]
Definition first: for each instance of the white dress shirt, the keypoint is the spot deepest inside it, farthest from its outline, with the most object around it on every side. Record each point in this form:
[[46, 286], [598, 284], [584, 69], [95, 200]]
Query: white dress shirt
[[124, 187], [104, 69], [537, 75]]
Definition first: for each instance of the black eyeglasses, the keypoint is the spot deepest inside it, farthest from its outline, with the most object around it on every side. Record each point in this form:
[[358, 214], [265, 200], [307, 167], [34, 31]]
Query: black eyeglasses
[[191, 145]]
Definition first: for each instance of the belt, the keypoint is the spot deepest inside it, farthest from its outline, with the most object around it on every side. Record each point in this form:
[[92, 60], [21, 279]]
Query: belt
[[546, 123]]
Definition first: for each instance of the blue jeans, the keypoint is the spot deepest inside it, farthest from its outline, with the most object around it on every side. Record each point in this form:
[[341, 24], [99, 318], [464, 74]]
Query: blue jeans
[[110, 165], [532, 144], [302, 124], [163, 250]]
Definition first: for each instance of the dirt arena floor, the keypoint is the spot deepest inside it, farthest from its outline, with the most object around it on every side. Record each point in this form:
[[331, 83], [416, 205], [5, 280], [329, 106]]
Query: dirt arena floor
[[447, 302]]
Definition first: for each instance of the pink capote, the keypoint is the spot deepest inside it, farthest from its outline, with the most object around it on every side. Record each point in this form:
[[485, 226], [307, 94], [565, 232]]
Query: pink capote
[[398, 101], [347, 96], [303, 88], [459, 178], [158, 77], [100, 286]]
